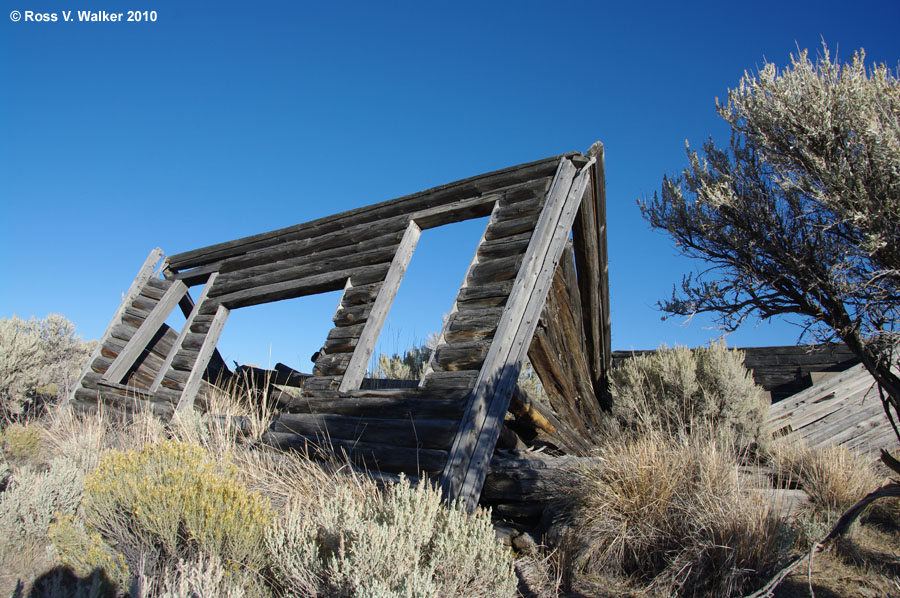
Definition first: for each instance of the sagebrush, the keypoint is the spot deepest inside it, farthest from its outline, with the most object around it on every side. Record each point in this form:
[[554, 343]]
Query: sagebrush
[[683, 390], [38, 359]]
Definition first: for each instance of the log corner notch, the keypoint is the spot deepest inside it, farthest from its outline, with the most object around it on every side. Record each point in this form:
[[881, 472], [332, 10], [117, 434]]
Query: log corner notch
[[537, 286]]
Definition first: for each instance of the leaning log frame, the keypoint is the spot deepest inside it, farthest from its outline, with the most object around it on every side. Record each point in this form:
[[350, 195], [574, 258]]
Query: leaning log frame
[[460, 401]]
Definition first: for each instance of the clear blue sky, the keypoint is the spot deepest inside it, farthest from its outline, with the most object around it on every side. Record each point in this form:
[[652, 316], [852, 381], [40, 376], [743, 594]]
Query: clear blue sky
[[226, 119]]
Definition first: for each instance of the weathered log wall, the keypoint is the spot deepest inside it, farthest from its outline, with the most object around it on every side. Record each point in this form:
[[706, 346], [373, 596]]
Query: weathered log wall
[[449, 423]]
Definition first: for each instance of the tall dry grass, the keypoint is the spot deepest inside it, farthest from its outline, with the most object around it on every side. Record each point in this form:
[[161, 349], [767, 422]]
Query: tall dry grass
[[672, 514]]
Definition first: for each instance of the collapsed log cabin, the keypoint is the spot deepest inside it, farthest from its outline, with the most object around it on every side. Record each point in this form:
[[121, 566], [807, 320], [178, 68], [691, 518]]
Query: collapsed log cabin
[[536, 286]]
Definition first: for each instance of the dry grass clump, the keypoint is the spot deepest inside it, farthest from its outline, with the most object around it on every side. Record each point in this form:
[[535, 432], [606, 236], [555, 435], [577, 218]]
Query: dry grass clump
[[671, 514], [834, 477], [691, 391]]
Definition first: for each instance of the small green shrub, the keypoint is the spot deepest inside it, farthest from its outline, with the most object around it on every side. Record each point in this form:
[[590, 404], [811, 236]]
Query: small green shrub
[[691, 391], [410, 365], [23, 442], [170, 501], [402, 542], [37, 358]]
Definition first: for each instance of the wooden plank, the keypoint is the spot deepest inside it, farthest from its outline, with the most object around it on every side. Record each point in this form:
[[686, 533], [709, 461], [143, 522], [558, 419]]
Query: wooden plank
[[495, 270], [467, 209], [598, 175], [217, 367], [143, 275], [505, 246], [461, 356], [360, 295], [450, 384], [196, 377], [586, 241], [185, 330], [352, 314], [332, 364], [535, 414], [146, 332], [853, 376], [485, 294], [467, 462], [436, 196], [559, 354], [356, 369], [509, 228]]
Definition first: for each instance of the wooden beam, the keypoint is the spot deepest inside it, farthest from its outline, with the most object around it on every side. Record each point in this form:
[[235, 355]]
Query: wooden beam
[[589, 236], [134, 290], [209, 345], [413, 432], [599, 179], [145, 333], [356, 369], [185, 330], [466, 466]]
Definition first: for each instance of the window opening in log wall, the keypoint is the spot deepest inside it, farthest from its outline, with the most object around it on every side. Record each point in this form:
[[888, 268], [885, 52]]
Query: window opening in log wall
[[289, 331], [424, 298]]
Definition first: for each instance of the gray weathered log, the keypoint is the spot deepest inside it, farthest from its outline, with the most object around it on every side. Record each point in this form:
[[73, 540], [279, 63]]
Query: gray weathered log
[[320, 283], [406, 432], [384, 457]]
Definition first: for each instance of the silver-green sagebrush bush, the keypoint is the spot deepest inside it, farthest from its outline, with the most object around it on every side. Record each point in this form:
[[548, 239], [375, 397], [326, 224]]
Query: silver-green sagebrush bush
[[800, 213], [691, 391], [33, 498], [400, 543], [37, 358]]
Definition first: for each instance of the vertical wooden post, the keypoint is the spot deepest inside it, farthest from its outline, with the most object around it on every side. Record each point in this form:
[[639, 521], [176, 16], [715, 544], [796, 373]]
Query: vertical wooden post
[[134, 290], [589, 236], [356, 369], [206, 350]]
